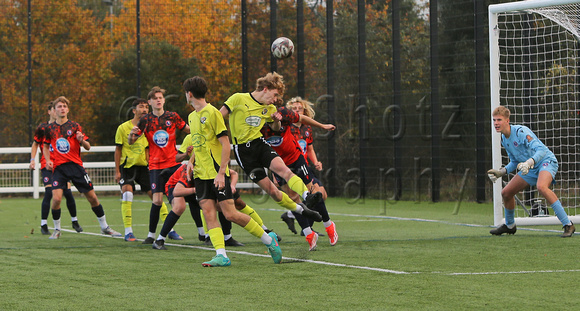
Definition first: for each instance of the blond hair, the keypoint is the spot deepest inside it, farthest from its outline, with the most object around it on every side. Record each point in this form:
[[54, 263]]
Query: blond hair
[[272, 80], [501, 111], [306, 105]]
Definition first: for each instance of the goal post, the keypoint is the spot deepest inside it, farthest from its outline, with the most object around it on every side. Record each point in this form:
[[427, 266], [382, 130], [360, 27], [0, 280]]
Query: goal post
[[534, 51]]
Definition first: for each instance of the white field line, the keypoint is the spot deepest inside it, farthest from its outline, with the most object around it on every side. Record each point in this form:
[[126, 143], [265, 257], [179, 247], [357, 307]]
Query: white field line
[[374, 218]]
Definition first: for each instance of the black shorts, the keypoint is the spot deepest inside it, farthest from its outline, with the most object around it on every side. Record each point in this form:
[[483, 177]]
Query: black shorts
[[254, 156], [205, 190], [73, 172], [300, 168], [136, 173], [158, 178], [189, 199], [46, 177]]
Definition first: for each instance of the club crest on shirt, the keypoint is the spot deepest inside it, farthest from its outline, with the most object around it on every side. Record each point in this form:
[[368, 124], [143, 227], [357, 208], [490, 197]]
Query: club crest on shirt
[[45, 180], [202, 120], [69, 132], [62, 145], [516, 143], [265, 111], [168, 123], [161, 138], [55, 183]]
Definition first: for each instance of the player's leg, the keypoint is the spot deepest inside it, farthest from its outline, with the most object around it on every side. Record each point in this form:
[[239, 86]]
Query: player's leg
[[71, 205], [127, 211], [178, 206], [195, 211], [156, 202], [543, 185], [99, 212], [216, 235], [295, 182], [508, 194], [45, 205], [56, 199]]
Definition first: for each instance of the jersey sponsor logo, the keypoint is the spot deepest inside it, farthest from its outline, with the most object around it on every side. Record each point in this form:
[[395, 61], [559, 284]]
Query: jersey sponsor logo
[[303, 145], [161, 138], [197, 140], [202, 120], [253, 121], [62, 145], [275, 141]]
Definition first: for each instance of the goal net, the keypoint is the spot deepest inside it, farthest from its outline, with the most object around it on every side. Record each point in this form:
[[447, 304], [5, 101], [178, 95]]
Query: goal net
[[535, 72]]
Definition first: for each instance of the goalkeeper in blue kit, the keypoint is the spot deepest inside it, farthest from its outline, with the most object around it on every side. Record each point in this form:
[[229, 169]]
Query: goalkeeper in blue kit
[[536, 164]]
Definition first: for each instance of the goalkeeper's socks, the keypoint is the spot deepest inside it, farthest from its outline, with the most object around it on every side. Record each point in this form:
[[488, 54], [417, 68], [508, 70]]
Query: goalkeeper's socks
[[509, 218], [560, 213]]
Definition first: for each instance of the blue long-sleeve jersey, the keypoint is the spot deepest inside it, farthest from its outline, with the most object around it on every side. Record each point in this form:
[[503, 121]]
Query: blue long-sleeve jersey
[[522, 145]]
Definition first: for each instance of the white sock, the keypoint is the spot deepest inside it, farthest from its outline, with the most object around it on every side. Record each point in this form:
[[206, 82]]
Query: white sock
[[221, 251], [305, 194], [227, 237], [327, 224], [264, 227], [307, 231], [56, 224], [151, 235], [291, 215], [160, 237], [103, 222], [43, 222], [266, 239], [200, 231], [299, 209], [74, 219], [128, 230]]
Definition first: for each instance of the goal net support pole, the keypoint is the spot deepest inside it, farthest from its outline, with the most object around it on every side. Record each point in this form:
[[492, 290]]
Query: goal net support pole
[[535, 72]]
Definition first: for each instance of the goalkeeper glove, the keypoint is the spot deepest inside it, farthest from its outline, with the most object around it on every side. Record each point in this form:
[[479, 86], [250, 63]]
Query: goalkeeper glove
[[496, 174], [525, 167]]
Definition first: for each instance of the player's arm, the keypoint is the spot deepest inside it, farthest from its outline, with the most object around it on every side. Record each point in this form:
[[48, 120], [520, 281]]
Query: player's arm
[[219, 180], [190, 165], [46, 153], [225, 111], [33, 152], [233, 180], [309, 121], [312, 156], [181, 190], [277, 123], [118, 151]]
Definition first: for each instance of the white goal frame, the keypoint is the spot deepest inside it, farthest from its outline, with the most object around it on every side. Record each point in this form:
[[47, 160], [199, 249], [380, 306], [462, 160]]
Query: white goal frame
[[495, 84]]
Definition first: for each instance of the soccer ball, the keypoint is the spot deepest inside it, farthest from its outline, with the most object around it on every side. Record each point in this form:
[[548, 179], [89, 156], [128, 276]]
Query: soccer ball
[[282, 48]]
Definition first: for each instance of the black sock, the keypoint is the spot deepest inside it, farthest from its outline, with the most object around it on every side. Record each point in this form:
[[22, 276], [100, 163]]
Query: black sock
[[194, 209], [70, 202], [154, 217], [98, 210], [169, 223], [226, 224], [45, 206], [56, 214]]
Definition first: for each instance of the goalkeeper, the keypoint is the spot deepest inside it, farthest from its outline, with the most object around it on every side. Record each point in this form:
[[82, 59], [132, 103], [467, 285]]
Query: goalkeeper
[[536, 164]]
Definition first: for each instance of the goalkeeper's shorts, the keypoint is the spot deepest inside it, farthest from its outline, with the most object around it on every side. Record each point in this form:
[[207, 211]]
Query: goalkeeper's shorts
[[532, 176]]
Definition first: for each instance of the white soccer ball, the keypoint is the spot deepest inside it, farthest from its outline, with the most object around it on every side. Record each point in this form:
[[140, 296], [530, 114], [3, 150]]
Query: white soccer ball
[[282, 48]]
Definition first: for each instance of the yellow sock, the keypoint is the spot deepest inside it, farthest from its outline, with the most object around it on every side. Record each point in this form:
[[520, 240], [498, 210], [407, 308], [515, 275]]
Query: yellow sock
[[217, 238], [252, 213], [253, 228], [163, 212], [287, 203], [295, 183], [126, 213], [203, 221]]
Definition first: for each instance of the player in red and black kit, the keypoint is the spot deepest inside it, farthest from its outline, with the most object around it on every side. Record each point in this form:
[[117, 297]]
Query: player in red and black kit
[[160, 127], [285, 144], [47, 179], [65, 138]]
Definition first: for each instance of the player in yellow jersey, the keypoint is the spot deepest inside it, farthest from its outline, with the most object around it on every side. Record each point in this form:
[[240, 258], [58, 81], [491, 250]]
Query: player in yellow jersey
[[131, 166], [248, 112], [210, 159], [184, 152]]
